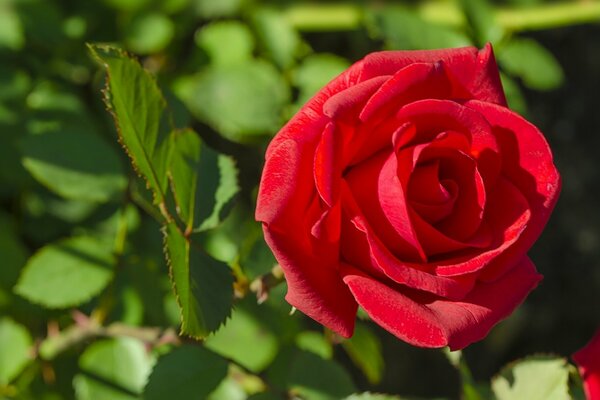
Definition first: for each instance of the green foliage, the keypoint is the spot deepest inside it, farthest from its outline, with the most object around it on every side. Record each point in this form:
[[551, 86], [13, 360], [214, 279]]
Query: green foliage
[[372, 396], [202, 284], [536, 377], [401, 28], [196, 172], [242, 101], [185, 373], [149, 33], [246, 341], [238, 37], [315, 343], [278, 37], [139, 110], [15, 349], [364, 348], [90, 305], [530, 61], [315, 378], [66, 273], [74, 164], [113, 369]]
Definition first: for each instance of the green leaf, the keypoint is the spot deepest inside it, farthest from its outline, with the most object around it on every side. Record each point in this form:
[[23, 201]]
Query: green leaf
[[76, 165], [533, 378], [113, 369], [240, 43], [14, 253], [66, 273], [149, 33], [188, 372], [533, 63], [372, 396], [402, 29], [241, 101], [139, 110], [364, 348], [315, 342], [230, 388], [318, 379], [127, 5], [514, 95], [204, 182], [15, 350], [11, 30], [480, 17], [217, 8], [203, 285], [277, 36], [246, 341], [315, 72]]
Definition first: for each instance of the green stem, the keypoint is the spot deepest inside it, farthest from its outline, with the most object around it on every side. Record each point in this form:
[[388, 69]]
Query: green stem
[[336, 17]]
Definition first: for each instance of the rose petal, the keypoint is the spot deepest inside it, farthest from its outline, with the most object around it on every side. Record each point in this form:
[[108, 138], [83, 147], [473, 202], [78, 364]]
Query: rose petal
[[283, 194], [350, 101], [314, 283], [327, 169], [426, 321], [411, 83], [527, 163], [378, 192], [507, 216], [473, 72], [362, 247]]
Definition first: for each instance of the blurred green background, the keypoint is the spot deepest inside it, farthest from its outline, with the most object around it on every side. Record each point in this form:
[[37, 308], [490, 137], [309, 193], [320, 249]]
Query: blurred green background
[[90, 313]]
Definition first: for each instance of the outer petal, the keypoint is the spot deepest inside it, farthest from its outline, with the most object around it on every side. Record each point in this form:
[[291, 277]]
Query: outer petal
[[474, 72], [527, 163], [428, 321], [315, 286], [588, 360], [287, 205]]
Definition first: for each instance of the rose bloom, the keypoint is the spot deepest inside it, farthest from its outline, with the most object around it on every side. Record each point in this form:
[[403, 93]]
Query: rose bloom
[[588, 360], [406, 186]]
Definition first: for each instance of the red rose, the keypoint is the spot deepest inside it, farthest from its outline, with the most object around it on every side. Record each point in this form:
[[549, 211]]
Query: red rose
[[406, 186], [588, 360]]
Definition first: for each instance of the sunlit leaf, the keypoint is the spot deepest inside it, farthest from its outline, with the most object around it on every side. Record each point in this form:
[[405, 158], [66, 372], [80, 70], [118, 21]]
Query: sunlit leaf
[[149, 33], [11, 29], [113, 369], [364, 348], [204, 182], [277, 36], [76, 165], [66, 273], [480, 17], [15, 349], [533, 63], [139, 110], [402, 29], [241, 101], [514, 95], [316, 71], [318, 379], [217, 8], [315, 342], [203, 285], [533, 378], [245, 340], [240, 43], [188, 372], [372, 396]]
